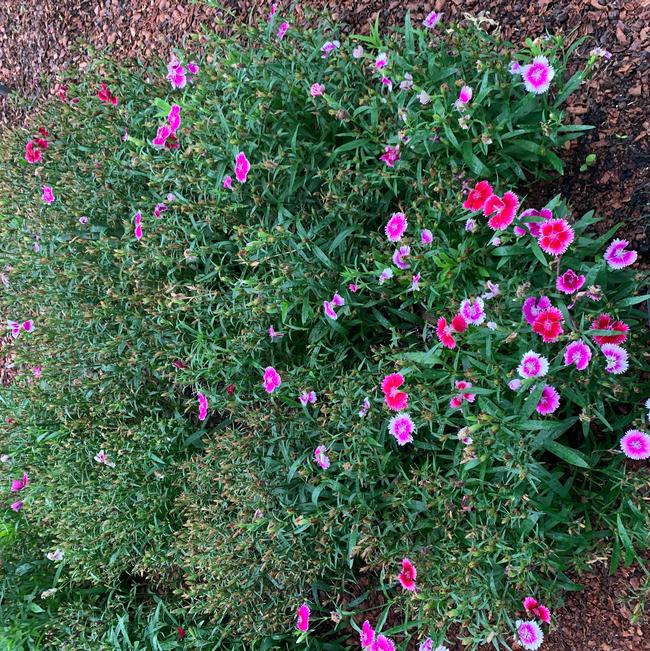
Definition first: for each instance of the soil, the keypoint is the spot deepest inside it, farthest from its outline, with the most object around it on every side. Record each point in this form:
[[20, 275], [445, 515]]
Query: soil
[[40, 39]]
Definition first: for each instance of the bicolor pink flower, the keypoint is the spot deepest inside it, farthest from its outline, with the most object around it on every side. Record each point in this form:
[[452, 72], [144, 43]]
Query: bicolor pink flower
[[515, 385], [137, 230], [534, 227], [518, 231], [548, 324], [381, 61], [636, 445], [48, 195], [532, 365], [329, 310], [390, 155], [530, 635], [27, 326], [462, 385], [402, 428], [83, 219], [102, 457], [367, 635], [616, 356], [203, 406], [164, 131], [605, 322], [174, 117], [242, 167], [383, 643], [18, 484], [578, 353], [32, 153], [227, 182], [399, 256], [385, 275], [415, 282], [193, 67], [569, 282], [549, 400], [478, 196], [503, 210], [426, 237], [408, 575], [456, 402], [307, 397], [302, 621], [445, 333], [159, 209], [472, 311], [538, 75], [274, 8], [555, 236], [386, 81], [533, 307], [395, 400], [282, 30], [316, 90], [514, 68], [617, 256], [464, 97], [365, 407], [272, 379], [338, 300], [353, 287], [432, 19], [14, 326], [273, 334], [541, 612], [357, 53], [320, 455], [176, 73], [396, 226], [16, 506], [328, 48]]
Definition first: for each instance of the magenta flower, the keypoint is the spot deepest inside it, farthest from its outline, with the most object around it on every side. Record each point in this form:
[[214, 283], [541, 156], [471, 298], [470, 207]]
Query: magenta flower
[[616, 356], [353, 287], [273, 334], [383, 643], [617, 257], [636, 445], [320, 455], [16, 506], [174, 117], [381, 61], [386, 81], [48, 195], [367, 635], [328, 308], [272, 379], [242, 167], [578, 353], [408, 575], [203, 406], [282, 30], [472, 311], [274, 8], [14, 326], [426, 237], [193, 67], [533, 307], [555, 236], [541, 612], [569, 282], [402, 428], [307, 397], [137, 230], [538, 75], [164, 131], [396, 226], [390, 155], [316, 90], [37, 372], [530, 635], [503, 210], [18, 484], [227, 182], [328, 48], [534, 227], [549, 401], [176, 73], [532, 365], [159, 209], [302, 622], [338, 300], [432, 20], [415, 282], [400, 255], [464, 97]]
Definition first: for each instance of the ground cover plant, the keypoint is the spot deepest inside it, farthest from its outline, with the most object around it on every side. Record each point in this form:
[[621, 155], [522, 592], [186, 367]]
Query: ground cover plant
[[297, 362]]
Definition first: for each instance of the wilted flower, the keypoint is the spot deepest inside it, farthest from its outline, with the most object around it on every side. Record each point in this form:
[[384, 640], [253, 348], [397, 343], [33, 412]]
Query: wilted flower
[[16, 506], [353, 287], [601, 52], [385, 275], [320, 455], [137, 228], [159, 209], [273, 334], [83, 219], [102, 457], [514, 68], [386, 81], [415, 282], [18, 484], [470, 225], [105, 95], [493, 290], [569, 282], [307, 397], [424, 97], [407, 82], [56, 555], [617, 256], [538, 75], [366, 406], [636, 445], [328, 308]]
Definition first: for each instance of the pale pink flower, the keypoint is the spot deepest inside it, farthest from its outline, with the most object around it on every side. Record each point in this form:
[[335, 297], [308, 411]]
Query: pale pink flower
[[282, 30], [493, 290], [328, 48], [426, 237], [415, 282], [302, 622], [514, 68], [470, 225], [386, 81], [616, 356], [307, 397], [171, 197], [242, 167], [14, 327], [400, 255], [381, 61], [407, 82], [272, 379], [48, 195], [159, 209], [396, 226], [402, 427], [102, 457], [515, 385], [367, 635], [578, 353], [618, 257], [569, 282], [473, 311], [56, 555], [353, 287], [530, 635], [357, 53], [424, 98], [491, 325], [549, 400], [366, 406], [532, 365], [83, 219], [636, 445], [385, 275], [203, 406], [227, 182], [328, 308], [320, 455], [432, 20], [601, 52], [316, 90], [538, 75]]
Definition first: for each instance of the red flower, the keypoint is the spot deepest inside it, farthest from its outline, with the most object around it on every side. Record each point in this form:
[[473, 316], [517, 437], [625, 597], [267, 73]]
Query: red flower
[[548, 324], [230, 390], [44, 132], [181, 632], [408, 575], [32, 153], [179, 364], [458, 323], [105, 95], [478, 196], [555, 235], [505, 208], [42, 143], [444, 333], [396, 400], [604, 322]]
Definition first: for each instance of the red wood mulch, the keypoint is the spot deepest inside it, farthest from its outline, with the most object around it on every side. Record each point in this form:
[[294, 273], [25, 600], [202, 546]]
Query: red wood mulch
[[38, 39]]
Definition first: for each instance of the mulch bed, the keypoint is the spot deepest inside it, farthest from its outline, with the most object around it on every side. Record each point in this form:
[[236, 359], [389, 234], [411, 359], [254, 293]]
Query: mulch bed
[[40, 39]]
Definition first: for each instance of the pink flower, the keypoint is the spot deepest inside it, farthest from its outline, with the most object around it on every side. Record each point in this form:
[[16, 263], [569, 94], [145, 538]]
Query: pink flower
[[32, 153], [569, 282], [636, 445], [176, 73], [396, 226], [18, 484], [555, 236], [458, 323], [472, 311], [444, 333], [316, 90], [272, 379], [402, 428], [203, 406], [456, 402], [242, 167], [48, 195], [549, 401], [514, 68], [357, 53], [37, 372], [399, 255], [505, 209], [329, 310], [174, 117], [302, 622], [515, 385], [274, 8], [273, 334], [432, 20], [407, 82], [386, 81], [193, 67], [105, 95], [470, 225], [381, 61], [542, 612], [307, 397], [159, 209], [537, 75], [328, 48], [426, 237], [395, 400], [534, 227], [605, 322], [616, 357], [83, 219], [14, 327], [282, 30], [600, 52], [383, 643], [478, 196], [16, 506], [365, 407], [530, 635], [338, 300], [578, 353], [320, 455], [367, 635], [27, 326], [227, 182], [532, 365], [548, 324], [533, 307], [353, 288], [493, 290], [385, 275], [137, 230], [617, 257], [464, 97], [415, 282], [461, 385], [102, 457], [390, 155], [164, 131], [408, 575]]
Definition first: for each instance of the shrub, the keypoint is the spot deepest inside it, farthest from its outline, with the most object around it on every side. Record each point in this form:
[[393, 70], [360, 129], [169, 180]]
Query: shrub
[[229, 525]]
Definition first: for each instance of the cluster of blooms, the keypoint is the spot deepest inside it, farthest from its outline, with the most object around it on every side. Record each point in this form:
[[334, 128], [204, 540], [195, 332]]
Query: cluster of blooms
[[18, 485], [16, 328], [328, 306], [242, 167], [105, 95], [178, 75], [166, 134], [35, 147], [457, 400], [372, 641]]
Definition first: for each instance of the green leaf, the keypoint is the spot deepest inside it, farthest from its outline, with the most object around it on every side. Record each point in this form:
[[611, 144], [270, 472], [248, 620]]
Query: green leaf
[[566, 454]]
